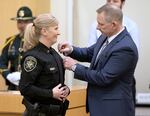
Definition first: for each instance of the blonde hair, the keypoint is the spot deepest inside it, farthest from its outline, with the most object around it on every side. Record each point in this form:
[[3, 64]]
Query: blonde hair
[[33, 30]]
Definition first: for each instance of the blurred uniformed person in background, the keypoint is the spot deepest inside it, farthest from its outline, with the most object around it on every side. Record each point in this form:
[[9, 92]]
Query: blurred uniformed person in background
[[42, 71], [11, 51]]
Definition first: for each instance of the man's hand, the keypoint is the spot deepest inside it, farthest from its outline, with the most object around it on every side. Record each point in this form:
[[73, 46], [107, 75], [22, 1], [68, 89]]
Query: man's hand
[[65, 48], [14, 78], [69, 62]]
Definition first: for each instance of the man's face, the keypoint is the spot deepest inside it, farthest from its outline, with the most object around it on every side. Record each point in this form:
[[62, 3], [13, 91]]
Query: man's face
[[118, 3], [105, 27], [21, 25]]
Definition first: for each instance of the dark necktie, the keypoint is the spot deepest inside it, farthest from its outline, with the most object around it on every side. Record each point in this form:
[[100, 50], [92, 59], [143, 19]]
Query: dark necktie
[[101, 49]]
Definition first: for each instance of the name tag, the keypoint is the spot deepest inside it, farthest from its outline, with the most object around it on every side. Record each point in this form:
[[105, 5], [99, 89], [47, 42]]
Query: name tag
[[52, 68]]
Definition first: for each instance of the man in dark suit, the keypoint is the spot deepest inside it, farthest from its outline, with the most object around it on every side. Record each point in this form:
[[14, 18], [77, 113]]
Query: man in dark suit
[[113, 60]]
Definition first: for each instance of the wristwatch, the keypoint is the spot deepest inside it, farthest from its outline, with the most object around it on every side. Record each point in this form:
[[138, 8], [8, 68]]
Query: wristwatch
[[73, 67]]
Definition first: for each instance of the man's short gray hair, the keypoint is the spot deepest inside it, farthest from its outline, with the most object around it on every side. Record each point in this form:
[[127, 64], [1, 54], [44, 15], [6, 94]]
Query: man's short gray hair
[[112, 13]]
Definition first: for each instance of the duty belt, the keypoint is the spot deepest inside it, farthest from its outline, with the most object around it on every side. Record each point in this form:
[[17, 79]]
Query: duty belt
[[41, 108]]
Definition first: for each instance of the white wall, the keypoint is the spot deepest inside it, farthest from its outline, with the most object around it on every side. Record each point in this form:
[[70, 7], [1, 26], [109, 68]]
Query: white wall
[[138, 10], [85, 14]]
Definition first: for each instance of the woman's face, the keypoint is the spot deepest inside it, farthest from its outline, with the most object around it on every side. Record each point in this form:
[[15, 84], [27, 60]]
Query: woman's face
[[52, 33]]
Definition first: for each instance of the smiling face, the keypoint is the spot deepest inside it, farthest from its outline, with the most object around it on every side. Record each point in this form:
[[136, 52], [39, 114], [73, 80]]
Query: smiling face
[[49, 34], [46, 28], [52, 34]]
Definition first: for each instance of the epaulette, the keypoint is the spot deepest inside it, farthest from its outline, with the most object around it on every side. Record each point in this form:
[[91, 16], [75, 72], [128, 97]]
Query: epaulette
[[2, 70], [8, 41]]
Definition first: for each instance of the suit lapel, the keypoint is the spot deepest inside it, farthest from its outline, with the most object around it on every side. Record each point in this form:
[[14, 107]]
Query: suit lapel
[[100, 42], [106, 51]]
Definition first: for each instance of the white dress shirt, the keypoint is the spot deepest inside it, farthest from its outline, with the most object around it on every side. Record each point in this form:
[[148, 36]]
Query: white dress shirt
[[131, 26]]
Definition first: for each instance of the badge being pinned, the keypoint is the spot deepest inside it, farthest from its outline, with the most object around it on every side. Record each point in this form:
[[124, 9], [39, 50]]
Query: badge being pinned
[[30, 63]]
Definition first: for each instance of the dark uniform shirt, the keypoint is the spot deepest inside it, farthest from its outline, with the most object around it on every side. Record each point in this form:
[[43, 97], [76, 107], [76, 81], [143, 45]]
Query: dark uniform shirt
[[10, 58], [42, 70]]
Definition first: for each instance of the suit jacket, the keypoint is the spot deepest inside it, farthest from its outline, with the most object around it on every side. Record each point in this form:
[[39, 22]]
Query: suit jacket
[[109, 91]]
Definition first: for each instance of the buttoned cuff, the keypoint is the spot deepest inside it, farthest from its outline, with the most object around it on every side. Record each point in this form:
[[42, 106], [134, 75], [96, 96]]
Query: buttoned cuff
[[73, 67]]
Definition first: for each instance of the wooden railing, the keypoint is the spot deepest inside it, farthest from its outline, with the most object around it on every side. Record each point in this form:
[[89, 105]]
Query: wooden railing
[[10, 103]]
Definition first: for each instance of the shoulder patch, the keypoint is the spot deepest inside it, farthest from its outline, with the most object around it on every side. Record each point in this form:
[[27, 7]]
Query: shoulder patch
[[30, 63]]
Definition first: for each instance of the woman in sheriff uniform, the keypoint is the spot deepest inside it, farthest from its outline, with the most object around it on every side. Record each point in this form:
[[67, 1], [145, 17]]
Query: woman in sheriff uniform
[[11, 54], [42, 77]]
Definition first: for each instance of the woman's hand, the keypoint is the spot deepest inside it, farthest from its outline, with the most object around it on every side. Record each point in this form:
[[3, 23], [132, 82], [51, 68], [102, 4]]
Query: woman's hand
[[59, 92], [66, 91]]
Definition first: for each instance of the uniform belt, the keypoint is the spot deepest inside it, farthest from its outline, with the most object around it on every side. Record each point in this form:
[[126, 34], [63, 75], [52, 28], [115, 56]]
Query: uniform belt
[[41, 108], [29, 105], [52, 109]]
